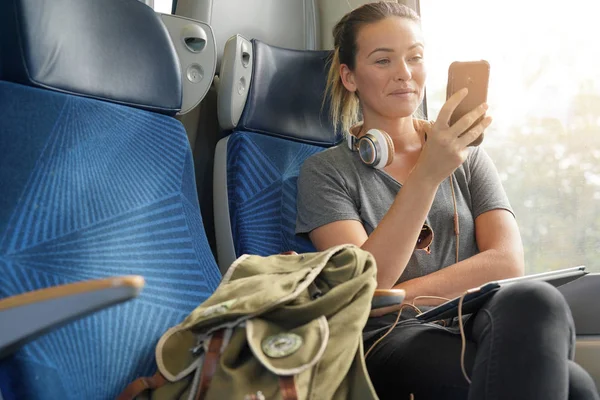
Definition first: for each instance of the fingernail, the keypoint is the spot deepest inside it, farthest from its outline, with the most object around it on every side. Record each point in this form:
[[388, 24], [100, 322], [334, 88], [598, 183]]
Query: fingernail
[[485, 106]]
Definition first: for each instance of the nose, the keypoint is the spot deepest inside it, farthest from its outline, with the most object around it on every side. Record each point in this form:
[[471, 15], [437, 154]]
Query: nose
[[403, 72]]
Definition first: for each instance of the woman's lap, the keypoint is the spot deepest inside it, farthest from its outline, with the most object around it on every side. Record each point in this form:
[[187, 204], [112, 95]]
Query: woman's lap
[[529, 324], [419, 358]]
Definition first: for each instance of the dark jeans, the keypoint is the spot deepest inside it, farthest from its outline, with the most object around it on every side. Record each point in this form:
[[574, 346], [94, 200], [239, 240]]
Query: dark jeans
[[520, 345]]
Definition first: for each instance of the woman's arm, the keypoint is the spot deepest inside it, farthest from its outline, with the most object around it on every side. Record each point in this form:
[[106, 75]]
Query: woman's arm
[[500, 257], [444, 151], [391, 247]]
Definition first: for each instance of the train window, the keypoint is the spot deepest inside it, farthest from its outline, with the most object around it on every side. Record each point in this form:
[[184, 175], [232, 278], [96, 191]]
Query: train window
[[163, 6], [544, 96]]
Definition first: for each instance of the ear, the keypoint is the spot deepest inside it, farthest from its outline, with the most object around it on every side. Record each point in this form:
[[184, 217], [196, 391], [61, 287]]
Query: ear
[[347, 78]]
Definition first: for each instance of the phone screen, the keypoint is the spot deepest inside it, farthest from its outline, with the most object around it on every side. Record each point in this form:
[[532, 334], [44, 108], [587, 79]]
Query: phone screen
[[474, 75]]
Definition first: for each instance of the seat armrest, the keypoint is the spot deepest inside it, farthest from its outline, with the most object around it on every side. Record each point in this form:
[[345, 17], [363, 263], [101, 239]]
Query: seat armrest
[[26, 316], [386, 301], [583, 297], [387, 297]]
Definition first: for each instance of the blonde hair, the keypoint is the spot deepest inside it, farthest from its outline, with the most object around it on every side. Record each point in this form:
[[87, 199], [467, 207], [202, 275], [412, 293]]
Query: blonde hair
[[344, 105]]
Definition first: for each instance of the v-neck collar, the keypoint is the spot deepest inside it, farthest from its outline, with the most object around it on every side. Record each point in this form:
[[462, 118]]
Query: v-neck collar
[[356, 159]]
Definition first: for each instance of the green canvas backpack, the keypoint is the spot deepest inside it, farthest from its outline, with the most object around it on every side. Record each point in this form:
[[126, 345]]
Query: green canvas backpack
[[278, 327]]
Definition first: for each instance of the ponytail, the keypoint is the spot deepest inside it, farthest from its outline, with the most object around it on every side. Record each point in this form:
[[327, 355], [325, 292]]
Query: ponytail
[[344, 105]]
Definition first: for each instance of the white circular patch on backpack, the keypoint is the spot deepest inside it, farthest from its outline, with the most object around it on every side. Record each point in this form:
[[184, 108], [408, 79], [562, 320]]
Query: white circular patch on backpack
[[281, 345]]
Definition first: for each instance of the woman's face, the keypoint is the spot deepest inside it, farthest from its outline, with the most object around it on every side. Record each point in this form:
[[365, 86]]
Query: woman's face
[[389, 72]]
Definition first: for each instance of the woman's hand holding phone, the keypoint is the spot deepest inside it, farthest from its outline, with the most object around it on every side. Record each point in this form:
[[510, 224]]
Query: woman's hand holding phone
[[475, 76], [446, 147]]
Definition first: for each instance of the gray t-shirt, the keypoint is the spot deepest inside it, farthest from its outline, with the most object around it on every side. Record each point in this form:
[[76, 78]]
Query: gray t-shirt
[[335, 185]]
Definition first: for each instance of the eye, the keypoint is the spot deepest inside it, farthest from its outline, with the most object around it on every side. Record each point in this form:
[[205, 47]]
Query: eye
[[383, 61], [417, 58]]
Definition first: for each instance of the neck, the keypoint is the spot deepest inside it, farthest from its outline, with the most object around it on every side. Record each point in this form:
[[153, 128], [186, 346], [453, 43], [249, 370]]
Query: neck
[[401, 130]]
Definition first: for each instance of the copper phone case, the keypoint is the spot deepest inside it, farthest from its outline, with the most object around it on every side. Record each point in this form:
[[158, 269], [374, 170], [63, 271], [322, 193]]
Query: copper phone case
[[474, 75]]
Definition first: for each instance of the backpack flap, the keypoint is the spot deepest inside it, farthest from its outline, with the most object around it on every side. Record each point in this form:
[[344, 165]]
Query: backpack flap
[[255, 285], [265, 360], [287, 352], [248, 293]]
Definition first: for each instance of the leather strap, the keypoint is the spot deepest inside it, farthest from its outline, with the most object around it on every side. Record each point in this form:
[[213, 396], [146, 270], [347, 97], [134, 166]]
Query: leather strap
[[288, 387], [140, 385], [209, 367]]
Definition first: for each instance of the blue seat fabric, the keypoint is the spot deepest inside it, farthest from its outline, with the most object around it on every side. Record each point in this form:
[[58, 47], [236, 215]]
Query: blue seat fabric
[[262, 172], [91, 189]]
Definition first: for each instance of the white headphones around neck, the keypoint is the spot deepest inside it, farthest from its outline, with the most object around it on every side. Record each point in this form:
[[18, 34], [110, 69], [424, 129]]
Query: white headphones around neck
[[375, 148]]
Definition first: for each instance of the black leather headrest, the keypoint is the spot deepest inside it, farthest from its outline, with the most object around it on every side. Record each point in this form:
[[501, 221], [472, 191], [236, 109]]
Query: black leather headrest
[[286, 95], [113, 50]]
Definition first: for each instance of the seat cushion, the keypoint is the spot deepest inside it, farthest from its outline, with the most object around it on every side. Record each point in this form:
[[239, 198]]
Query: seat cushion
[[262, 172], [90, 190]]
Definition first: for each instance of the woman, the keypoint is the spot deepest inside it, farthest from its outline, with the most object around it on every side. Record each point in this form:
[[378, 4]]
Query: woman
[[520, 343]]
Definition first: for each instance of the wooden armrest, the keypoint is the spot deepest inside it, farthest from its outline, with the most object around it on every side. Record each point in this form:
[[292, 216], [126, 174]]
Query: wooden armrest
[[26, 316], [386, 301], [378, 312], [389, 292]]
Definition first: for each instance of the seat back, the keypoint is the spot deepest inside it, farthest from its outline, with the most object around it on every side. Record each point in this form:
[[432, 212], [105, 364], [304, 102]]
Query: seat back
[[281, 123], [97, 180], [286, 23]]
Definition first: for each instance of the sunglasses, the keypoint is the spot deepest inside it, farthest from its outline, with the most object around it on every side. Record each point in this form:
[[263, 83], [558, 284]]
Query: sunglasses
[[425, 238]]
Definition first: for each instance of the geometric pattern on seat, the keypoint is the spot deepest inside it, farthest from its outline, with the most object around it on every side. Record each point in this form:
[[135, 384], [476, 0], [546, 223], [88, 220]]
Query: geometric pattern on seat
[[262, 174], [90, 190]]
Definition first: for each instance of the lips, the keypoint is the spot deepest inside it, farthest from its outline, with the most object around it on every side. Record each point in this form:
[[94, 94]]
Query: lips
[[399, 92]]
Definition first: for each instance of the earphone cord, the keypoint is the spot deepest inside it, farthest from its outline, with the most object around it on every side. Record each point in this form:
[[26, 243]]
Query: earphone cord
[[402, 307], [456, 227], [462, 338], [462, 297], [460, 302]]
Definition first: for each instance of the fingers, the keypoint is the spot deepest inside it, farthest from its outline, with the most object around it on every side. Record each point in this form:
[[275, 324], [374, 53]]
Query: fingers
[[469, 119], [468, 137], [450, 105]]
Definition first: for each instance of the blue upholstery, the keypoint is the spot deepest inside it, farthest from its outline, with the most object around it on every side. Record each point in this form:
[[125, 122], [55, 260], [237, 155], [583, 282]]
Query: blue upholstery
[[89, 190], [285, 97], [261, 181], [282, 124], [114, 50]]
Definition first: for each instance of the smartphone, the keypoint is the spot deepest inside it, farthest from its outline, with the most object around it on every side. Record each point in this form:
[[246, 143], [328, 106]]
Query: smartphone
[[475, 76]]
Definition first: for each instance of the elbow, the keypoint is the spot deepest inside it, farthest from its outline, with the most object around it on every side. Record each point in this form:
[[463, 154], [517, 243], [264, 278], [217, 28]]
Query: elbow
[[384, 282], [519, 261], [516, 269], [505, 264], [386, 277], [514, 263]]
